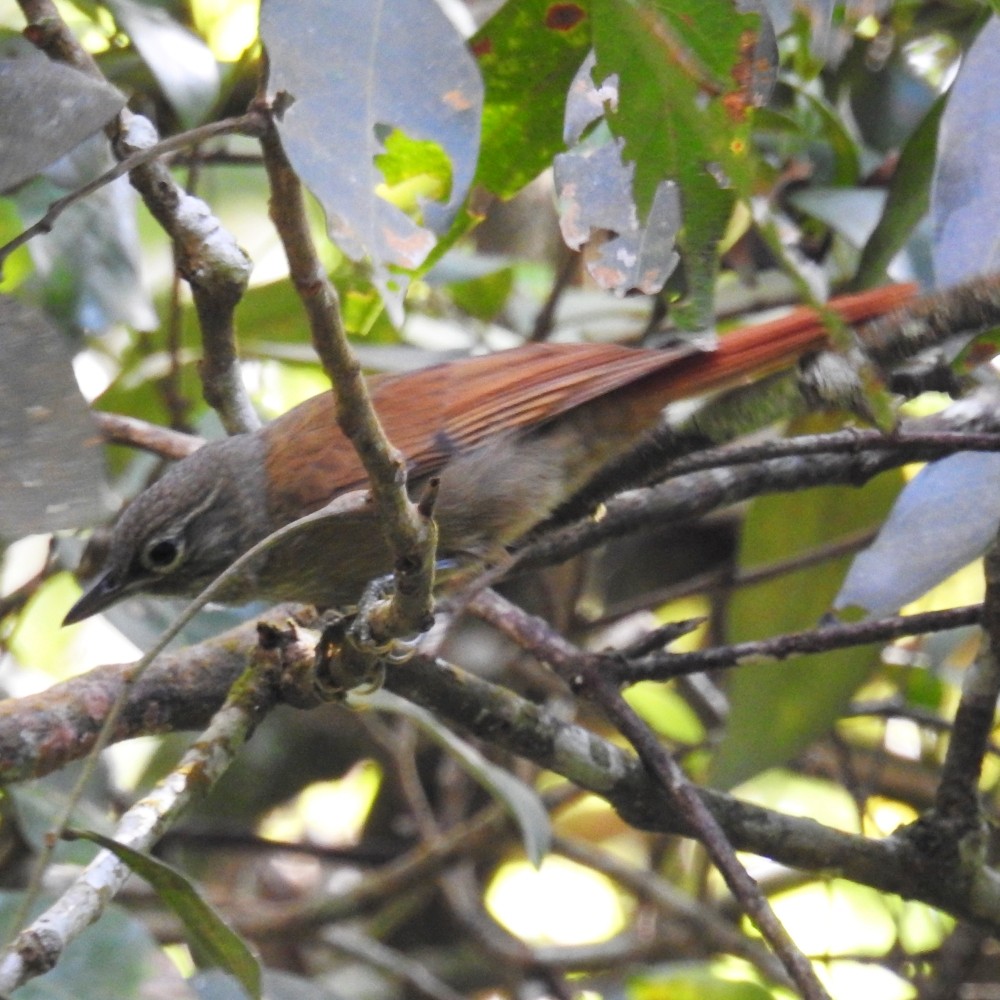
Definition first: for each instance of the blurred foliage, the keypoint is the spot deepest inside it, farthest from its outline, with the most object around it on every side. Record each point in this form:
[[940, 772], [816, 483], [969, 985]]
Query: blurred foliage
[[826, 188]]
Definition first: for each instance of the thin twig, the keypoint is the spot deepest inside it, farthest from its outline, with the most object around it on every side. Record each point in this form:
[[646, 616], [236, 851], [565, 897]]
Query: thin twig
[[48, 32], [249, 124], [672, 779], [135, 433], [909, 446], [544, 320], [390, 961], [695, 494], [665, 666]]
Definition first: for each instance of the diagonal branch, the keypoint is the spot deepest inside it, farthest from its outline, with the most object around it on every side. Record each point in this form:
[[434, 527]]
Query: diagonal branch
[[409, 529], [40, 945], [585, 675]]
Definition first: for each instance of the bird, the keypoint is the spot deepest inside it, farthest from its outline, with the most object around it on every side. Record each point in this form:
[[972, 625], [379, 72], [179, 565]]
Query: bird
[[508, 436]]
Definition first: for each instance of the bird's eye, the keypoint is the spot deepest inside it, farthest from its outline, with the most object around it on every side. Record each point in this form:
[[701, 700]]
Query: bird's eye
[[162, 554]]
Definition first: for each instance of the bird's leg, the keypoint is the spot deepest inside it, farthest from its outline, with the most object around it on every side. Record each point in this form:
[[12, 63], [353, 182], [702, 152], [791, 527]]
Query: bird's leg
[[349, 657]]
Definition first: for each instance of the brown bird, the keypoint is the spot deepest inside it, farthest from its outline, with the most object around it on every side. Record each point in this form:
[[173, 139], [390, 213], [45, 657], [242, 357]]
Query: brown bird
[[510, 435]]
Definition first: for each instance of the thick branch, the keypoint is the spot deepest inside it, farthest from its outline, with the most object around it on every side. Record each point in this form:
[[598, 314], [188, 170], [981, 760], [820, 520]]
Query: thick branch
[[501, 717], [41, 944], [212, 263]]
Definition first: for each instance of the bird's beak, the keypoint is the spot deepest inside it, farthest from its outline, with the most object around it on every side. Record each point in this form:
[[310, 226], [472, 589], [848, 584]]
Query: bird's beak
[[101, 594]]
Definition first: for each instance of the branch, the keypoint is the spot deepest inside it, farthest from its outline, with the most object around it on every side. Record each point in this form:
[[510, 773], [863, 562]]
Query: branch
[[584, 673], [134, 433], [692, 495], [41, 733], [390, 961], [40, 945], [667, 453], [907, 446], [502, 718], [928, 321], [48, 32], [206, 255], [211, 262], [244, 125], [666, 666], [408, 527]]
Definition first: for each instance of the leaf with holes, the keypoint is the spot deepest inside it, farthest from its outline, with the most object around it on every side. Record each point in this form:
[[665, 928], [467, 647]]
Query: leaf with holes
[[686, 81], [529, 52], [377, 91]]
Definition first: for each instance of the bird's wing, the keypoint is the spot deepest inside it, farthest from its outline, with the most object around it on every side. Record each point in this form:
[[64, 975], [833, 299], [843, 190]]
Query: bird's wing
[[434, 413]]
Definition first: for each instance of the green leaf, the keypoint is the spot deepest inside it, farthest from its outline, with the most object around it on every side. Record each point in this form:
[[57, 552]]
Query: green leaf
[[17, 267], [846, 164], [521, 801], [683, 116], [679, 108], [415, 170], [706, 209], [485, 295], [908, 201], [780, 708], [802, 126], [214, 942], [528, 52]]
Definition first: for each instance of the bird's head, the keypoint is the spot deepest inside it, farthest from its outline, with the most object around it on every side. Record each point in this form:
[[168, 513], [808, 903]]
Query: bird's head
[[184, 530]]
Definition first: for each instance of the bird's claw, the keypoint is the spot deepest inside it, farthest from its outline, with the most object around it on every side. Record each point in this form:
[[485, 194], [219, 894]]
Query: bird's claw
[[348, 658]]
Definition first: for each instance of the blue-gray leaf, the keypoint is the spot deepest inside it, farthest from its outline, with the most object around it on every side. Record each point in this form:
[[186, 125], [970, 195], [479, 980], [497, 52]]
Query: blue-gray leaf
[[51, 460], [943, 519], [46, 108], [965, 198], [357, 70]]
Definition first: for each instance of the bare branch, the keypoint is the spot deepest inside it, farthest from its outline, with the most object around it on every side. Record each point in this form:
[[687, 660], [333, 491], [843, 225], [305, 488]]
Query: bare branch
[[665, 666], [120, 429], [931, 319], [411, 534], [244, 125], [40, 945], [584, 672]]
